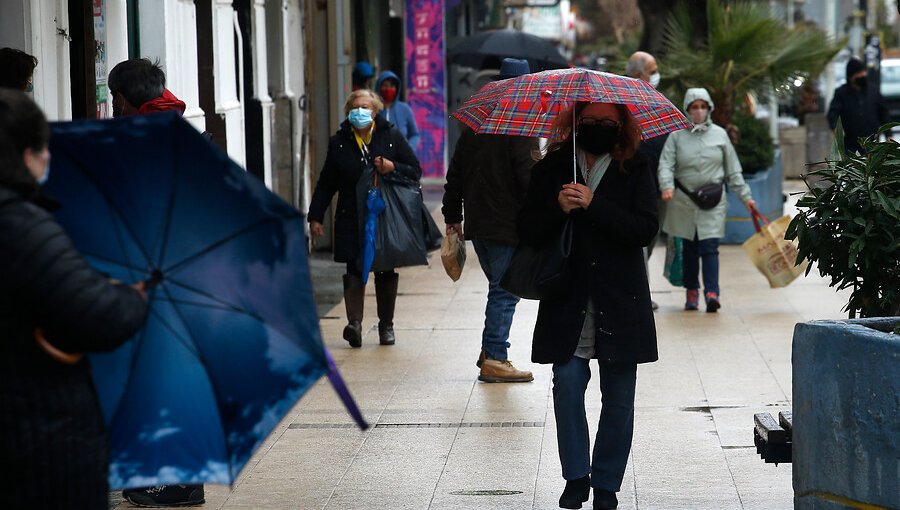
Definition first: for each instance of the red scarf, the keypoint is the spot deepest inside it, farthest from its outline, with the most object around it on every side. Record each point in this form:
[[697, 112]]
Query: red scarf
[[166, 102]]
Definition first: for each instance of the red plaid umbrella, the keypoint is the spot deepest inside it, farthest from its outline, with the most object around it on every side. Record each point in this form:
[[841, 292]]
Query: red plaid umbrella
[[528, 105]]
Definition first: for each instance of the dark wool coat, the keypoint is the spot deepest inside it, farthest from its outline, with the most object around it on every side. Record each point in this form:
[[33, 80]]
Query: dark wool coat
[[488, 175], [607, 261], [344, 164], [53, 446]]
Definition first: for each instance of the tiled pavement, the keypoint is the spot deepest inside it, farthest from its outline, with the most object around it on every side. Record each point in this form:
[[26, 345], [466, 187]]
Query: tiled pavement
[[443, 440]]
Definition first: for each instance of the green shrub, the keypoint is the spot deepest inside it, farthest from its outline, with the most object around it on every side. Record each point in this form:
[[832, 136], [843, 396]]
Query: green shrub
[[849, 225], [755, 150]]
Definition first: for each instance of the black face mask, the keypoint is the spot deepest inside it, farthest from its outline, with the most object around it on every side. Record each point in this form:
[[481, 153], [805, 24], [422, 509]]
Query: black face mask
[[861, 82], [596, 139]]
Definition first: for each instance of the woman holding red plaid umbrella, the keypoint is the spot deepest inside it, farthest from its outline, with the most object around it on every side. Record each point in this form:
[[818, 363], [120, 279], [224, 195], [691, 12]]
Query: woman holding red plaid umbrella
[[605, 313]]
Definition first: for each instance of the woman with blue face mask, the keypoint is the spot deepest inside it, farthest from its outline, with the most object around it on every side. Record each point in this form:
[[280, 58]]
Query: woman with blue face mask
[[363, 139]]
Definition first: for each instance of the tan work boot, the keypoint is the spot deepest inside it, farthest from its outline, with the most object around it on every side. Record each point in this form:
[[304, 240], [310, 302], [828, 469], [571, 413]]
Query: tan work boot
[[493, 370]]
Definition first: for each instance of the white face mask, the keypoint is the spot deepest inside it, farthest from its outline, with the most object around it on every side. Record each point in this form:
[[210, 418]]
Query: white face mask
[[654, 79]]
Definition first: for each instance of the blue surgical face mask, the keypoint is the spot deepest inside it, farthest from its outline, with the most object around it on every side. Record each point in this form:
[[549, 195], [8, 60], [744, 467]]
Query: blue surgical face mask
[[654, 79], [360, 118]]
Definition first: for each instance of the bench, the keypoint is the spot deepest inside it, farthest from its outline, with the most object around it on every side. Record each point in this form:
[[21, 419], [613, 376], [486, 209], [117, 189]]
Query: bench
[[773, 438]]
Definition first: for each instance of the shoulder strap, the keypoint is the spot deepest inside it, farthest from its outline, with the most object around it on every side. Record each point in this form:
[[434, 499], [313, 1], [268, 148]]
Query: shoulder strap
[[682, 188]]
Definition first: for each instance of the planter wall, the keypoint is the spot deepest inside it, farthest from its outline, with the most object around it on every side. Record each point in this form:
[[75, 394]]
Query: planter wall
[[767, 188], [846, 414]]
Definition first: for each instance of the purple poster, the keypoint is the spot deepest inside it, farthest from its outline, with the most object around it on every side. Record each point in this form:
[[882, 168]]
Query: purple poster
[[425, 80]]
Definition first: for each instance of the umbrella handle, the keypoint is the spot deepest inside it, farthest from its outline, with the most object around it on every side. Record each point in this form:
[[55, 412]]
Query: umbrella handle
[[375, 180], [57, 354]]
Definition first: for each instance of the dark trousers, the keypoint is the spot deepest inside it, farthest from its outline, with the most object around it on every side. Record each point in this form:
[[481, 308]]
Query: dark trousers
[[693, 252], [353, 269], [613, 442]]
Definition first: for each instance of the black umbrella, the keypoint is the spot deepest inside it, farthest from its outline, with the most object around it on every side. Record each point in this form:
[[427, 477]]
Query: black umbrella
[[487, 49]]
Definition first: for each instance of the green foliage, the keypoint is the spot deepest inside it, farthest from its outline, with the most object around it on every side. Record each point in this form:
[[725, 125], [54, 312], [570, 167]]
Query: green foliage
[[755, 150], [746, 51], [849, 225]]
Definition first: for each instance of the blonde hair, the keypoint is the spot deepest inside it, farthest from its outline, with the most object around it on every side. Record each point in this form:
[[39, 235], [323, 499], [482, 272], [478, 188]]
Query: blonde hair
[[377, 104]]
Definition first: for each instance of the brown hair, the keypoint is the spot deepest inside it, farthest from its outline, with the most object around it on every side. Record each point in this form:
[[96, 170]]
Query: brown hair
[[629, 135]]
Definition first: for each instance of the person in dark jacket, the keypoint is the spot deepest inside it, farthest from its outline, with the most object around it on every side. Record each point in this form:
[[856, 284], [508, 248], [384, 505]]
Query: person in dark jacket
[[138, 87], [858, 105], [396, 111], [604, 313], [364, 138], [642, 66], [488, 177], [53, 308]]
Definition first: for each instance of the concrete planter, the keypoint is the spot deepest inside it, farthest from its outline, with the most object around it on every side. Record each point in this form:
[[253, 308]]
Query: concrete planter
[[767, 188], [846, 405]]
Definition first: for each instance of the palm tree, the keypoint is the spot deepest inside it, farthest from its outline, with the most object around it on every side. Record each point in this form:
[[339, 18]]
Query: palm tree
[[746, 50]]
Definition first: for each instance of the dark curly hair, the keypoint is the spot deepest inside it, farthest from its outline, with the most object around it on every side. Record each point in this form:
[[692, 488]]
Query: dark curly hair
[[22, 126]]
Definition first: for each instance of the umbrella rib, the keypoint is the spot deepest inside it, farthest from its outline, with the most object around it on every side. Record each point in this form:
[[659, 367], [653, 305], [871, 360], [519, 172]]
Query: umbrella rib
[[111, 261], [93, 179], [139, 341], [225, 304], [170, 206], [217, 244]]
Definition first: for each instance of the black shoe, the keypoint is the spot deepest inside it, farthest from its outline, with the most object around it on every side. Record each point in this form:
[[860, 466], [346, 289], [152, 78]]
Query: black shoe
[[165, 496], [576, 492], [386, 334], [605, 500], [353, 333]]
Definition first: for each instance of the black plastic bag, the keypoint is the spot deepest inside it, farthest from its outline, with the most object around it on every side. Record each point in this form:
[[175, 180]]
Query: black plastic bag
[[400, 239]]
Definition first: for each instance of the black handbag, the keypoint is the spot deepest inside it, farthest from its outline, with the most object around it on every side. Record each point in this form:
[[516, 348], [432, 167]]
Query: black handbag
[[540, 272], [706, 197]]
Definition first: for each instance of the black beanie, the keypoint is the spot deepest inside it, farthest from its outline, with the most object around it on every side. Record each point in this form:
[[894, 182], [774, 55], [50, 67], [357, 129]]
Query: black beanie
[[854, 65]]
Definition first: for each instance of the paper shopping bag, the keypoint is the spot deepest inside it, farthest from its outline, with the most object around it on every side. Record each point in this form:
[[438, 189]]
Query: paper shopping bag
[[774, 256], [453, 255]]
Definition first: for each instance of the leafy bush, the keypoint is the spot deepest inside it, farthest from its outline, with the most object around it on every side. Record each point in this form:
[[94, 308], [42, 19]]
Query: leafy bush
[[755, 149], [849, 225]]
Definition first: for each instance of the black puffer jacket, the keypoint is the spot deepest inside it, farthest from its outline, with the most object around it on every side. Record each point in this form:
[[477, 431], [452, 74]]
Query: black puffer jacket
[[52, 439], [344, 164]]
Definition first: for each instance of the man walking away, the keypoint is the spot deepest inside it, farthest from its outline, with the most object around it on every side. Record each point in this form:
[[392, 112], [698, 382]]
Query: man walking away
[[642, 65], [138, 87], [488, 177]]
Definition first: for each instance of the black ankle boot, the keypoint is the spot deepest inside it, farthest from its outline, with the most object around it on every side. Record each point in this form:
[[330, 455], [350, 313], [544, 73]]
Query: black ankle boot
[[576, 492], [354, 299], [386, 334], [386, 298], [605, 500]]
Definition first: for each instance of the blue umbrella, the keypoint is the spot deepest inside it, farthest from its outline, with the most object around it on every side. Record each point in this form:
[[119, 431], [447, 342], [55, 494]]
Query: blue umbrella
[[374, 206], [232, 340]]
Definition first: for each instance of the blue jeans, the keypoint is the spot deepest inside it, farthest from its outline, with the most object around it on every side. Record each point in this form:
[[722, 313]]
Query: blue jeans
[[613, 442], [692, 252], [501, 305]]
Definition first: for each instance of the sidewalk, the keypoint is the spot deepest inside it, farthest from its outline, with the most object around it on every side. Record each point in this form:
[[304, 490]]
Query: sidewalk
[[440, 439]]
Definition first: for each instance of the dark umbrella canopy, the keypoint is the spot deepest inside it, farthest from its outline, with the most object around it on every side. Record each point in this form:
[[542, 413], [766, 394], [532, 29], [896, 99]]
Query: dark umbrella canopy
[[487, 49], [232, 339]]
